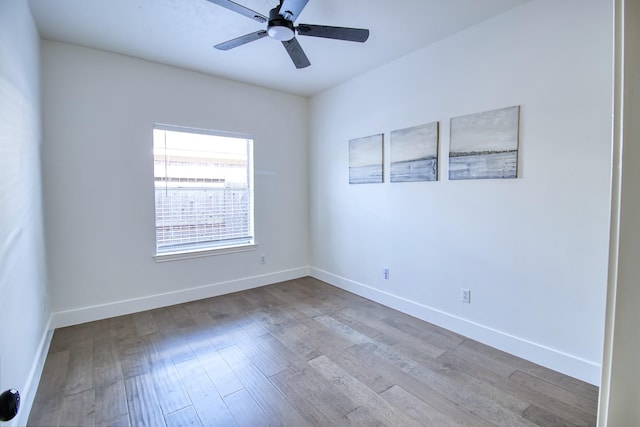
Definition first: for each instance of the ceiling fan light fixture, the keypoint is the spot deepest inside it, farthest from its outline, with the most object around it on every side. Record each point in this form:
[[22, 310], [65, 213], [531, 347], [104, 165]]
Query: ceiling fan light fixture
[[280, 32]]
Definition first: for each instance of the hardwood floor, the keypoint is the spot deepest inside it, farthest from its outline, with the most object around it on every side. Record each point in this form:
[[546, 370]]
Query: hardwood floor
[[293, 354]]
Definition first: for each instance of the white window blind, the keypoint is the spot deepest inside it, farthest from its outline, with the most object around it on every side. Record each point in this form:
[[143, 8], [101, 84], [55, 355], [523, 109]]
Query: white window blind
[[203, 189]]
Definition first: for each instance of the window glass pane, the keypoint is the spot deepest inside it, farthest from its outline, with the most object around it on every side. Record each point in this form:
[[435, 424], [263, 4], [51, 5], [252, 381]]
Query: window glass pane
[[203, 190]]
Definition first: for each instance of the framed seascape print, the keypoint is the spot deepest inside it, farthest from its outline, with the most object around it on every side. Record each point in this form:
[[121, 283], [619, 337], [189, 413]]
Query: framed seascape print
[[366, 160], [485, 145], [414, 154]]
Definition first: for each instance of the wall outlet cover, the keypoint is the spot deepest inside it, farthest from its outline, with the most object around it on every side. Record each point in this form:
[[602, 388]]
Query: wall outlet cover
[[466, 296]]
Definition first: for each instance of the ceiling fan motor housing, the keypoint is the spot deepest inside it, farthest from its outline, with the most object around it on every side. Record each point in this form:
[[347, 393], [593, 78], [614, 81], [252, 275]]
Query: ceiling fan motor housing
[[279, 28]]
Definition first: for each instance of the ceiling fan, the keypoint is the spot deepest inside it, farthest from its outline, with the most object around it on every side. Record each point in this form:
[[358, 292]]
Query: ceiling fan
[[280, 27]]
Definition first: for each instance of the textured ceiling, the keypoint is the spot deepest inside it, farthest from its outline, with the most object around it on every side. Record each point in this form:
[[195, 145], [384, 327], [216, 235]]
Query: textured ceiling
[[182, 33]]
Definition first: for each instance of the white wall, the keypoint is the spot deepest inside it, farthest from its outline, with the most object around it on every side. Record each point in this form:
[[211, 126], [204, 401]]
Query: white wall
[[533, 250], [620, 392], [99, 109], [24, 310]]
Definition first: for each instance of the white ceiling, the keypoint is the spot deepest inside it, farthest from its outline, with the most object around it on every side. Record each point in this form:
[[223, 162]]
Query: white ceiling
[[182, 33]]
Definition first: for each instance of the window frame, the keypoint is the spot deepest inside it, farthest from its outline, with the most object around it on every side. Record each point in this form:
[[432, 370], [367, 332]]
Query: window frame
[[238, 245]]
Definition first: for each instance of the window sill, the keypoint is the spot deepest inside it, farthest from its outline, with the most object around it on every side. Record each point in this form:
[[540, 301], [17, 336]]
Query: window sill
[[176, 256]]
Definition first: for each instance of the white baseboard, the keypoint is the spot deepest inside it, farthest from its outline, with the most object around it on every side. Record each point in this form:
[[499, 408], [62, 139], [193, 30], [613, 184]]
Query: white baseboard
[[28, 392], [553, 359], [120, 308]]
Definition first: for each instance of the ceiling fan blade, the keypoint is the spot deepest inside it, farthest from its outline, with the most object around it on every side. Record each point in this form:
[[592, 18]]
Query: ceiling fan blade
[[296, 53], [338, 33], [235, 7], [291, 9], [241, 40]]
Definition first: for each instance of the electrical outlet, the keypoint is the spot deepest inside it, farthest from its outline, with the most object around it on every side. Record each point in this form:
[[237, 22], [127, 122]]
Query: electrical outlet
[[263, 259], [466, 295], [385, 273]]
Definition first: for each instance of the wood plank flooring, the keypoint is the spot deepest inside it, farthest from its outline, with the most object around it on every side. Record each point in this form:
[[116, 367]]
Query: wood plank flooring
[[293, 354]]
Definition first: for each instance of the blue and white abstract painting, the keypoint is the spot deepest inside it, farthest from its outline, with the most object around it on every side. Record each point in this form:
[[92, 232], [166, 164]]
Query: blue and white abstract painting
[[414, 154], [485, 145], [366, 160]]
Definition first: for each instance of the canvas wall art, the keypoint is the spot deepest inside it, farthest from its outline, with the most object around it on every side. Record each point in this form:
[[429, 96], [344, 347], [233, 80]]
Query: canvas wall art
[[485, 145], [414, 154], [366, 160]]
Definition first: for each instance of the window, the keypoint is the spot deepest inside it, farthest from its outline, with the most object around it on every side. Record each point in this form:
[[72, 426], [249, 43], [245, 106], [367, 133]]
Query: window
[[203, 190]]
